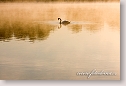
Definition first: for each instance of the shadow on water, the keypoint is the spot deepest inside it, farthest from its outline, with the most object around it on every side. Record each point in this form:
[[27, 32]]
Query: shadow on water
[[22, 31], [77, 27]]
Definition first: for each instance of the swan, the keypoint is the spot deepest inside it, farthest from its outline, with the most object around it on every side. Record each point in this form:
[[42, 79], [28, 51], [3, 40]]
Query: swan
[[63, 22]]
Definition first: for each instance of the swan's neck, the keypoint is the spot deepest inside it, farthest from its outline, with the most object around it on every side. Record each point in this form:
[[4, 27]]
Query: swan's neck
[[60, 21]]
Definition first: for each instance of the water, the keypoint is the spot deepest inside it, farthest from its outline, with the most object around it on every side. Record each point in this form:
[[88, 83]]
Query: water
[[33, 45]]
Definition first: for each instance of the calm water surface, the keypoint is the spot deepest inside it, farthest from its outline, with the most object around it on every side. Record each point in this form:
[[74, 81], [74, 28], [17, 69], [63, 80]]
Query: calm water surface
[[33, 45]]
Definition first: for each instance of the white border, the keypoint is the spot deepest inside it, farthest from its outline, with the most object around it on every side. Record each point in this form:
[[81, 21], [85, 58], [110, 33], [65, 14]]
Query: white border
[[122, 82]]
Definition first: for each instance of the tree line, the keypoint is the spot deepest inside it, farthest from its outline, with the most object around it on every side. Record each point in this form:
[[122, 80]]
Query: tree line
[[57, 0]]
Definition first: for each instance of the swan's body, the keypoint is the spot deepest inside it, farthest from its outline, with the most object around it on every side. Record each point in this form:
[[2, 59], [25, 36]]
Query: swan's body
[[63, 22]]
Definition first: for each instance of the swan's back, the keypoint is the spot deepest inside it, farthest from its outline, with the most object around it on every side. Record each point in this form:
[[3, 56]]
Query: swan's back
[[65, 22]]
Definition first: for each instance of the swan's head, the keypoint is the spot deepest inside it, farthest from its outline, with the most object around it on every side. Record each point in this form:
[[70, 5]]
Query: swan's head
[[59, 18]]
